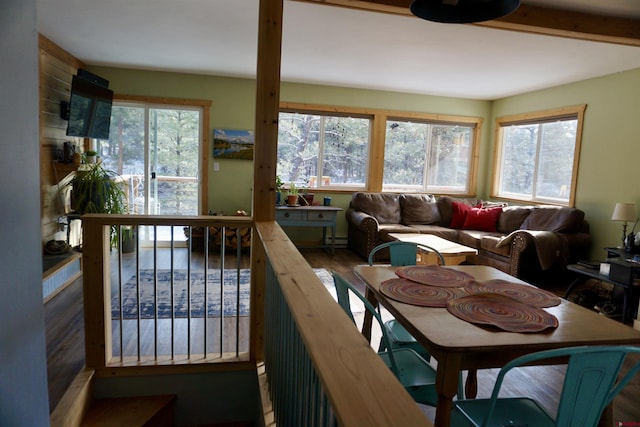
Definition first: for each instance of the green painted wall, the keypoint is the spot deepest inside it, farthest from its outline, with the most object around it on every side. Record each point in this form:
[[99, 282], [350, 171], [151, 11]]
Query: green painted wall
[[609, 145], [233, 107]]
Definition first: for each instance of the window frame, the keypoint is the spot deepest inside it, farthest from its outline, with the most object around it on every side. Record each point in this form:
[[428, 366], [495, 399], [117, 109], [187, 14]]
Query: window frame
[[538, 117], [164, 102], [334, 112], [473, 155], [379, 118]]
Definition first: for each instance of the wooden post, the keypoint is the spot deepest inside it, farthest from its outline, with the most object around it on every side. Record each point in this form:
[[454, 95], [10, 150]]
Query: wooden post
[[265, 151], [97, 290]]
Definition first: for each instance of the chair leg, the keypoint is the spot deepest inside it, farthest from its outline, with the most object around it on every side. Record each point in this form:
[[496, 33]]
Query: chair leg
[[471, 384], [368, 317]]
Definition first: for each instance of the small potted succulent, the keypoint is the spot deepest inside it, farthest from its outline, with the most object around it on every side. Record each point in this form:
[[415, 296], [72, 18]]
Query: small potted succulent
[[90, 156], [306, 197], [279, 185]]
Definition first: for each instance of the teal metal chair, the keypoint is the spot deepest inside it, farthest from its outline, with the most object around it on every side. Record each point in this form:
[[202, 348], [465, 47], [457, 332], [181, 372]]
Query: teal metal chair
[[413, 371], [590, 384], [401, 254]]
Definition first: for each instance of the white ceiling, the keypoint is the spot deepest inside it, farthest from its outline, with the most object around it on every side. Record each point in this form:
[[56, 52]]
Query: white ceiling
[[335, 46]]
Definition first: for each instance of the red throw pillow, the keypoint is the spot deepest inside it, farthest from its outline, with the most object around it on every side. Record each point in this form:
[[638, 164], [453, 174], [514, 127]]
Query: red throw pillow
[[482, 219], [459, 213]]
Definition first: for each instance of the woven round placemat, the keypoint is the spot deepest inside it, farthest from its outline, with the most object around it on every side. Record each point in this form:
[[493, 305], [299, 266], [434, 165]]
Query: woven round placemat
[[435, 275], [414, 293], [502, 312], [526, 294]]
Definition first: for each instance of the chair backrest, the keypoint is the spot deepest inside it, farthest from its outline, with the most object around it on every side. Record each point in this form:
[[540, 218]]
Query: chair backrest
[[343, 288], [403, 253], [589, 384], [342, 291]]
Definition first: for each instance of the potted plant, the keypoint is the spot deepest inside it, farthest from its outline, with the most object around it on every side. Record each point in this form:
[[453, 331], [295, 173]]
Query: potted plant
[[279, 185], [96, 190], [306, 198], [292, 195], [90, 156], [129, 236]]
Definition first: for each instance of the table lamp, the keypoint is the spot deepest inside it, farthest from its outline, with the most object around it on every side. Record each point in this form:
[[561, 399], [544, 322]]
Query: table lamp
[[624, 212]]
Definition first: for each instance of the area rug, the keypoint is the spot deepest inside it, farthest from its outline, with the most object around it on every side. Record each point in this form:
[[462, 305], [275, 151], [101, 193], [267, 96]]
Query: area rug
[[231, 305]]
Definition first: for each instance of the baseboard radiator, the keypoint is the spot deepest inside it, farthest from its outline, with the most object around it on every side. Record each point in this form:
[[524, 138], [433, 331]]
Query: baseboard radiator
[[55, 281]]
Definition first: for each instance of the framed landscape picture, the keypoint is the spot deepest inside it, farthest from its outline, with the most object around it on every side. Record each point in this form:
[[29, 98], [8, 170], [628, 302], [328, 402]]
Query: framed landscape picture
[[233, 144]]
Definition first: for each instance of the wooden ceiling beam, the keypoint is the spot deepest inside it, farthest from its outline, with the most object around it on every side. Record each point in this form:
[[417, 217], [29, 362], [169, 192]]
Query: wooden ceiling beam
[[529, 19], [571, 24]]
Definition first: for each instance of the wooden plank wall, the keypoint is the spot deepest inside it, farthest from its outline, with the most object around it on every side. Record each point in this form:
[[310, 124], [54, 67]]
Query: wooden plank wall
[[56, 70]]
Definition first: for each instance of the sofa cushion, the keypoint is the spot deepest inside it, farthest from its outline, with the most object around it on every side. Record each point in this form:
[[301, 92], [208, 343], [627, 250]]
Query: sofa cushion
[[445, 208], [419, 209], [554, 218], [490, 243], [385, 229], [473, 238], [482, 219], [437, 230], [459, 212], [385, 207], [512, 218]]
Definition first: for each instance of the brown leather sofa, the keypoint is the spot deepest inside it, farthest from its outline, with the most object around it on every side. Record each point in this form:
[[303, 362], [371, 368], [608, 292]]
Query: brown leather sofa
[[528, 242]]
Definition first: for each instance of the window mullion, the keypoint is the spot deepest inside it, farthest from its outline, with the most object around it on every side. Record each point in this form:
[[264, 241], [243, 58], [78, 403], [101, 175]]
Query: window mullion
[[320, 151], [427, 155], [537, 162]]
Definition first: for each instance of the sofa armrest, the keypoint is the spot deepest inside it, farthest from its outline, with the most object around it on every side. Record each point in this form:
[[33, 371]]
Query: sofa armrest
[[519, 244], [550, 248], [361, 220], [362, 231]]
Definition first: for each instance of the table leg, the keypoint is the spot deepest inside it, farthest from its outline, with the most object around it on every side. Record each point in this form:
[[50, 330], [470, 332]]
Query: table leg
[[626, 297], [333, 239], [606, 419], [324, 235], [446, 387]]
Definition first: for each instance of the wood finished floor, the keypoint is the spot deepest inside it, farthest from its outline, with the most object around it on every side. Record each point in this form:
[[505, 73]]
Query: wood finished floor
[[65, 347]]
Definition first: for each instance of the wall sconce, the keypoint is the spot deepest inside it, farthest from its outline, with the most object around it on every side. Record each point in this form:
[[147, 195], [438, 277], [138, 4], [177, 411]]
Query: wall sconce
[[624, 212]]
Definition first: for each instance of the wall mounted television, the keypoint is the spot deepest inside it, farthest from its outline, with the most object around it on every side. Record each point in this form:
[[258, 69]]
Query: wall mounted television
[[90, 106]]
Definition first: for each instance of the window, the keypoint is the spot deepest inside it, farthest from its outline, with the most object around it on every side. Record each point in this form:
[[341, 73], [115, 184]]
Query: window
[[323, 151], [356, 149], [537, 156], [427, 157]]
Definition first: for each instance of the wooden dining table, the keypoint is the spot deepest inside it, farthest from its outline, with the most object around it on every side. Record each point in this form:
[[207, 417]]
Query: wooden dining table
[[458, 345]]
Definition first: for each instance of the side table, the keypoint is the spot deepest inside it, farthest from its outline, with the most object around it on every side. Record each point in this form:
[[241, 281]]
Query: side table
[[629, 281], [310, 216]]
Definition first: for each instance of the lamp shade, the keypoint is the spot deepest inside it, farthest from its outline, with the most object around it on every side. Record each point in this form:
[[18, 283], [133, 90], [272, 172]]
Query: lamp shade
[[462, 11], [624, 212]]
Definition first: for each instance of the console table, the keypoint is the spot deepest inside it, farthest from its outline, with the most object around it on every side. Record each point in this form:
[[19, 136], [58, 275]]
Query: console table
[[310, 216], [629, 283]]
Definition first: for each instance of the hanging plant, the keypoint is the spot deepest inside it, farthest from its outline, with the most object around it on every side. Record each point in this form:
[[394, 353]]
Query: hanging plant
[[97, 190]]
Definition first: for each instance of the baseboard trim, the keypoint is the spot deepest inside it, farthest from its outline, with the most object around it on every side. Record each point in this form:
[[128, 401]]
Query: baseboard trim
[[75, 403]]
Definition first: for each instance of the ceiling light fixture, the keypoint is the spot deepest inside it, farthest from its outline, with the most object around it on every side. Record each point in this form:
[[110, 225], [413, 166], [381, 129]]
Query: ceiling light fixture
[[462, 11]]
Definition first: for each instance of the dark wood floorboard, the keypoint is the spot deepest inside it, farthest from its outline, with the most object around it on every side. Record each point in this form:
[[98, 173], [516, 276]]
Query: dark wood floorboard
[[65, 346]]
